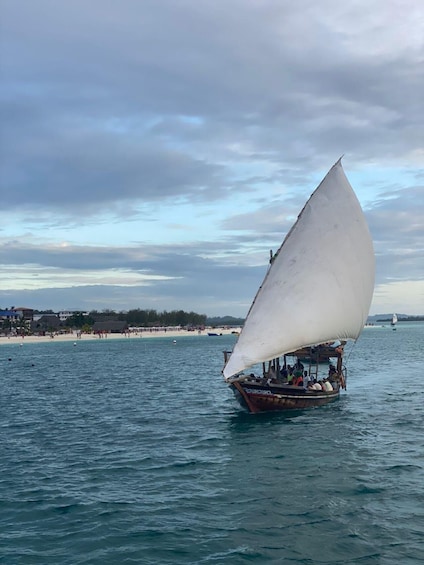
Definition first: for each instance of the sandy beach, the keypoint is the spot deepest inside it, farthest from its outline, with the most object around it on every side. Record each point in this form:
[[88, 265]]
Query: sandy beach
[[144, 334]]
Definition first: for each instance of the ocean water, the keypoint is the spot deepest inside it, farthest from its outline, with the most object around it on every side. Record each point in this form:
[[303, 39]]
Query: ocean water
[[135, 452]]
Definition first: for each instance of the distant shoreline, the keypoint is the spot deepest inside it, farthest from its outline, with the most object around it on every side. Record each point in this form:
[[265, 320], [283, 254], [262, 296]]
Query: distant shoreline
[[133, 335]]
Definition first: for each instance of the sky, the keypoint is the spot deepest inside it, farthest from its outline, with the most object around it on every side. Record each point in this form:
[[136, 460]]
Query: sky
[[152, 152]]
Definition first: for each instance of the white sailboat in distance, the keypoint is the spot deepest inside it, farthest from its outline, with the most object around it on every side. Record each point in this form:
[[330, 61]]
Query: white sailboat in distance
[[394, 321]]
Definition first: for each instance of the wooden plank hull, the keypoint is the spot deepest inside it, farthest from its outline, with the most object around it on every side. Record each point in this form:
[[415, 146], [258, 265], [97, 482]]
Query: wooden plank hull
[[263, 398]]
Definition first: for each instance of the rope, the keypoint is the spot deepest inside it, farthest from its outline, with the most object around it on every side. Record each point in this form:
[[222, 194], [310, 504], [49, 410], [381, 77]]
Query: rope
[[345, 364], [350, 352]]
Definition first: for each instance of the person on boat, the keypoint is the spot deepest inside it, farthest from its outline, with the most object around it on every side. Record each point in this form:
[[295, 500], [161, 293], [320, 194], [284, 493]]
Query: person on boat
[[327, 386], [306, 379], [332, 375], [284, 374], [289, 375], [298, 368], [337, 346], [298, 381]]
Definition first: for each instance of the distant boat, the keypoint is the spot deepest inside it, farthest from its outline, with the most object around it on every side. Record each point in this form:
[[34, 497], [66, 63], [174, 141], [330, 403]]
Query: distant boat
[[315, 296], [213, 334], [394, 321]]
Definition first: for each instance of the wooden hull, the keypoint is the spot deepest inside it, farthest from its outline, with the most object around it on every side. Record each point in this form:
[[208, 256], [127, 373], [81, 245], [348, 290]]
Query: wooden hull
[[264, 398]]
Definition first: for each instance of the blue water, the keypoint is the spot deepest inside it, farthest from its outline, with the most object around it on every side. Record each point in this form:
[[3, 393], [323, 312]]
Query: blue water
[[135, 452]]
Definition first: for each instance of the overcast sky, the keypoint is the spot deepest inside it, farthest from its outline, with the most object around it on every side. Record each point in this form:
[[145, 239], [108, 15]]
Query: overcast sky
[[154, 151]]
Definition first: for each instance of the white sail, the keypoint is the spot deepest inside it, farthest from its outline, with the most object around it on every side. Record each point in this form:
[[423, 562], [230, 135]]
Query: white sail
[[320, 283], [394, 320]]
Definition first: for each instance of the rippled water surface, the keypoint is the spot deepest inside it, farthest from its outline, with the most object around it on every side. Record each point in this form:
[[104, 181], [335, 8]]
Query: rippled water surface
[[134, 451]]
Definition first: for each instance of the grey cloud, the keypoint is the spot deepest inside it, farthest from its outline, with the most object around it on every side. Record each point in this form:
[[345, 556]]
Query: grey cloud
[[212, 295], [85, 71], [110, 107], [92, 170], [397, 225]]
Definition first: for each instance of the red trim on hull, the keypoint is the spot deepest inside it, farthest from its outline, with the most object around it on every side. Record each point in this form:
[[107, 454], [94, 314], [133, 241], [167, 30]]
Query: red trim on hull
[[245, 396]]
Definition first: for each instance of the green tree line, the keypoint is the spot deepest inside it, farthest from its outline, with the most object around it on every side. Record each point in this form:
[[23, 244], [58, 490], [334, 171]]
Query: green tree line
[[140, 318]]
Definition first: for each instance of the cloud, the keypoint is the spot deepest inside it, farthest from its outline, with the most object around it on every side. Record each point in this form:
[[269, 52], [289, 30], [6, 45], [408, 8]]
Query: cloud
[[122, 123], [397, 226]]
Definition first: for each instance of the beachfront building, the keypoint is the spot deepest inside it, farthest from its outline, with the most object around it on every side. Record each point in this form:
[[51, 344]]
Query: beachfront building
[[65, 314], [47, 323], [8, 315], [16, 320], [13, 313]]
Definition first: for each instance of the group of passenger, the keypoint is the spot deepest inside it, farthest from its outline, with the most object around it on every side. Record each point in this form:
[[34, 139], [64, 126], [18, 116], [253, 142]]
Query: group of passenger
[[322, 384], [296, 375]]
